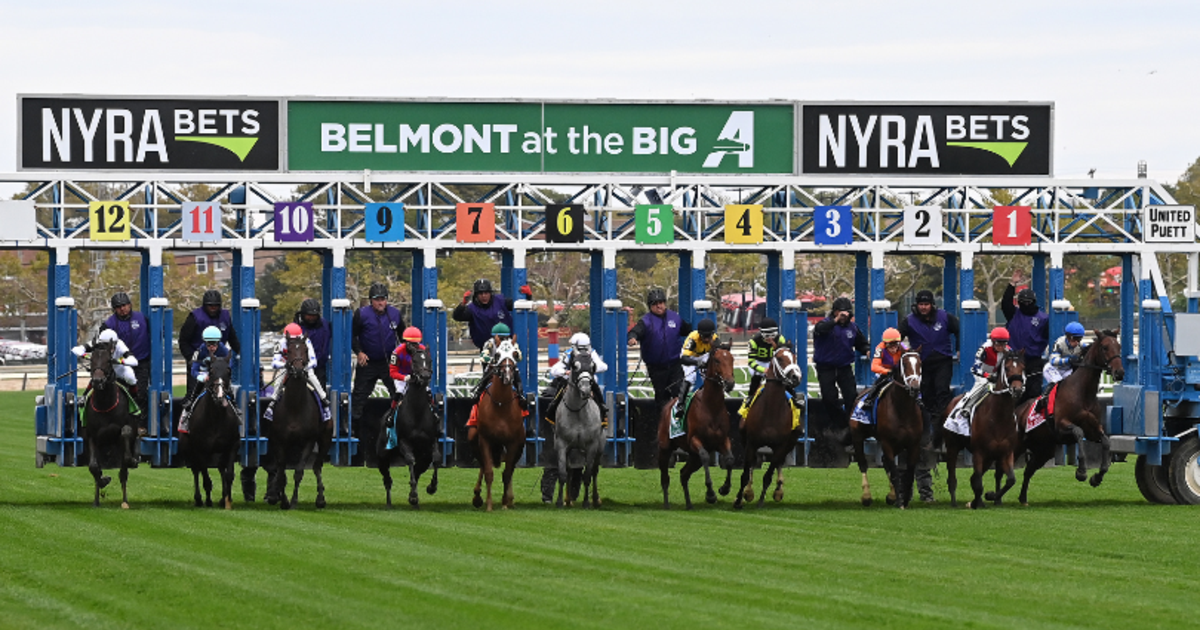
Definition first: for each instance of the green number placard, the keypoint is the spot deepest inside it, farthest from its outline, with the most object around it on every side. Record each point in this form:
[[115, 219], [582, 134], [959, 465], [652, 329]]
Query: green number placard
[[654, 223]]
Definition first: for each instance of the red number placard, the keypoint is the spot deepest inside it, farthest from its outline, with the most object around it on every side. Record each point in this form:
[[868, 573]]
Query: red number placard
[[476, 222], [1011, 225]]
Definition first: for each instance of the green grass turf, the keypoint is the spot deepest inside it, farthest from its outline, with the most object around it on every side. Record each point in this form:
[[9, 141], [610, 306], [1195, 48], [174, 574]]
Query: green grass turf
[[1078, 558]]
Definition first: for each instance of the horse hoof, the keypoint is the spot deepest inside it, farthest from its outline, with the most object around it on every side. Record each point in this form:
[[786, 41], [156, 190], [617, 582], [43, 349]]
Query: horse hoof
[[228, 504], [1024, 504], [413, 501], [199, 503], [208, 503], [778, 496], [1096, 480], [724, 490], [320, 502], [737, 505], [867, 501], [124, 505], [431, 489], [747, 495], [990, 496], [1080, 475], [477, 501], [890, 500], [104, 481], [711, 499]]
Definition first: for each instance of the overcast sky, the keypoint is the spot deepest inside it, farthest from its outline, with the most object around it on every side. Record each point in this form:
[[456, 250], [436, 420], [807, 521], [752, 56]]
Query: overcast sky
[[1123, 75]]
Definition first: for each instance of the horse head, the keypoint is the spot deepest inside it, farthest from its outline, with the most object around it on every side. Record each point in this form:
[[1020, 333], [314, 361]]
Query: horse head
[[720, 367], [422, 366], [218, 380], [297, 361], [582, 371], [101, 368], [784, 366], [908, 371], [1011, 370], [506, 362], [1105, 353]]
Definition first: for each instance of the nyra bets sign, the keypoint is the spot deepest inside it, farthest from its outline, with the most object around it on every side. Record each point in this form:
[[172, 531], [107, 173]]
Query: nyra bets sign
[[927, 139], [130, 133]]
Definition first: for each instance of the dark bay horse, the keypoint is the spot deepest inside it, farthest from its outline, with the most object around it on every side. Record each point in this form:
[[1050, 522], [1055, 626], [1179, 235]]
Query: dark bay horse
[[417, 431], [707, 430], [994, 437], [213, 436], [769, 423], [297, 435], [110, 429], [898, 427], [1077, 415], [501, 435], [578, 426]]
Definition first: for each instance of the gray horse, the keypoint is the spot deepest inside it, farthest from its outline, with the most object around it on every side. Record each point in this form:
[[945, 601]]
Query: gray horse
[[577, 426]]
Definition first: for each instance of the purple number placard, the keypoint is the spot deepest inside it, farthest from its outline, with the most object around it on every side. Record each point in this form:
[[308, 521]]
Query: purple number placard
[[293, 221]]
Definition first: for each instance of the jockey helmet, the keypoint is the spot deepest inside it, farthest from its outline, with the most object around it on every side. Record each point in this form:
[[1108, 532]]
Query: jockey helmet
[[706, 327], [412, 333], [379, 291], [501, 329], [1075, 329], [212, 297], [293, 330], [310, 307], [483, 285], [120, 299], [212, 333], [999, 333], [581, 341], [890, 335], [655, 296], [108, 335], [768, 327]]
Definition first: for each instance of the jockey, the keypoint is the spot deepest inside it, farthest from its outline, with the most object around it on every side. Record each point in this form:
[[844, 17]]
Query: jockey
[[500, 334], [694, 356], [279, 362], [580, 344], [762, 351], [987, 359], [1065, 355], [400, 363], [887, 356], [123, 360], [199, 370]]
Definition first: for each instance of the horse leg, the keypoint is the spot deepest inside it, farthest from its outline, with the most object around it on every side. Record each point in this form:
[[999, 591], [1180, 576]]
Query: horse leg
[[296, 478], [909, 476], [766, 482], [433, 460], [706, 460], [777, 496], [1004, 468], [196, 487], [1081, 470], [1037, 458], [128, 439], [889, 466], [124, 488], [488, 470], [318, 468], [981, 462], [692, 465], [727, 464], [747, 482], [860, 458], [561, 449], [1105, 461], [227, 475], [478, 500], [208, 486], [94, 467], [952, 470], [664, 477], [596, 475], [511, 455], [385, 469]]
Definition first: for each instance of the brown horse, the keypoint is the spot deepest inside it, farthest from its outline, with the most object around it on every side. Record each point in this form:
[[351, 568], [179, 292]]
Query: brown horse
[[501, 427], [1076, 413], [769, 423], [994, 437], [109, 427], [707, 430], [898, 427]]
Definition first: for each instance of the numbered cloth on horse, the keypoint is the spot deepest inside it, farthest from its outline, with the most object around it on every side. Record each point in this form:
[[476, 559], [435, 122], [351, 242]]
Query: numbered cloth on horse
[[745, 409], [678, 419], [863, 414], [1041, 410]]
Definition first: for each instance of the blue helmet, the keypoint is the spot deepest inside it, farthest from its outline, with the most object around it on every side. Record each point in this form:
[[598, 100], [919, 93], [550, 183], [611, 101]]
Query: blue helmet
[[212, 333], [1075, 329]]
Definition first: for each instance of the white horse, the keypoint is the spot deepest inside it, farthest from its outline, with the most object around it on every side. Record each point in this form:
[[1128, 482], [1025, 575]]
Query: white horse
[[577, 425]]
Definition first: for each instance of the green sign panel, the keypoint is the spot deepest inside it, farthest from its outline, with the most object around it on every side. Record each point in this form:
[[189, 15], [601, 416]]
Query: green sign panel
[[540, 137], [654, 223]]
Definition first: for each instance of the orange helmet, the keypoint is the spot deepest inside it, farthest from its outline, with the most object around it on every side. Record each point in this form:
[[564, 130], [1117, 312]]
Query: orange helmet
[[999, 333], [890, 335], [293, 330], [412, 333]]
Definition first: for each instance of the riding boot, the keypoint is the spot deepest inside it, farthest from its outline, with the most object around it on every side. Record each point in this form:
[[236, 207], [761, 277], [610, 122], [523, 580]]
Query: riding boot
[[684, 388], [755, 383]]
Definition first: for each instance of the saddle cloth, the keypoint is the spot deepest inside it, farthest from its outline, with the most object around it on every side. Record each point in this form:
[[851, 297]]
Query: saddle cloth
[[745, 410], [861, 414], [1034, 418], [679, 420], [960, 422]]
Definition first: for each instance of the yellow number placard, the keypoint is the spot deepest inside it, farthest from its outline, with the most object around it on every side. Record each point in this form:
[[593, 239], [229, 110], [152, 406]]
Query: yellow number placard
[[109, 220], [744, 223]]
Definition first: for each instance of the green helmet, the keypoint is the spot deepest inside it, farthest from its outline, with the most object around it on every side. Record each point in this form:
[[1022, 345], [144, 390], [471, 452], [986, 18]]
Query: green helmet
[[212, 333], [501, 329]]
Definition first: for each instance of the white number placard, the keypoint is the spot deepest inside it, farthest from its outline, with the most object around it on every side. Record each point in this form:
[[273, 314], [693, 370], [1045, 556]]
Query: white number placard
[[1169, 224], [19, 219], [922, 225]]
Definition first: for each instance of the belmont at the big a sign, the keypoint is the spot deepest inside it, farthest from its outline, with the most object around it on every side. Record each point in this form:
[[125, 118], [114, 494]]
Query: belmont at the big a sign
[[132, 133], [533, 136], [927, 138]]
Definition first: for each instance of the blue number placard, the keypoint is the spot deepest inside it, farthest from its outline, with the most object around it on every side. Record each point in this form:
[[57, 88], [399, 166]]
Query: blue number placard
[[832, 225], [385, 222]]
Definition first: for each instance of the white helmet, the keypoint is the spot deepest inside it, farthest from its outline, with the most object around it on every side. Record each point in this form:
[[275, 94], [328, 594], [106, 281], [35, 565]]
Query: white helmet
[[581, 341], [108, 335]]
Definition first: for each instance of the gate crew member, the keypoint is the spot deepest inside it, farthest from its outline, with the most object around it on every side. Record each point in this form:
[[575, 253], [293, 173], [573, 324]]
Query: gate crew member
[[929, 328], [661, 332], [987, 360], [1065, 355], [133, 329], [210, 314], [694, 357], [887, 356], [1029, 327], [836, 340], [762, 352], [375, 333], [279, 363], [320, 334], [482, 310]]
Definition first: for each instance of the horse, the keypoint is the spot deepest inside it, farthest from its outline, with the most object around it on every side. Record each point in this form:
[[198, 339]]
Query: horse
[[297, 431], [577, 425], [769, 424], [994, 437], [898, 428], [108, 422], [1077, 415], [213, 435], [417, 430], [501, 432], [707, 430]]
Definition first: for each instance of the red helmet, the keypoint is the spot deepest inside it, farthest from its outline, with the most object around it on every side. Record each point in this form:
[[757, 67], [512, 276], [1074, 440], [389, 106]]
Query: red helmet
[[293, 330], [412, 333], [999, 334]]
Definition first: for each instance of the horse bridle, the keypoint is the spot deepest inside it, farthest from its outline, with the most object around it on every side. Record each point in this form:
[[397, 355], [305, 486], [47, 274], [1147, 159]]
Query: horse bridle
[[790, 374], [710, 366], [1003, 378], [1104, 366], [573, 381], [217, 393], [910, 382]]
